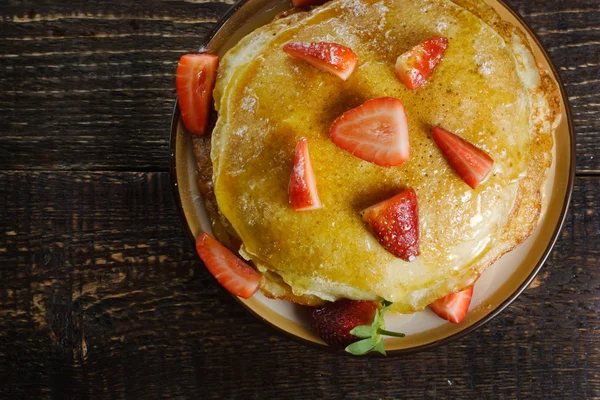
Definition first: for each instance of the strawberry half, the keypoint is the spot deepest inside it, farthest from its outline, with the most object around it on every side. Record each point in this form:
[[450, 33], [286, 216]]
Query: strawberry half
[[467, 160], [195, 81], [331, 57], [454, 306], [395, 224], [376, 131], [232, 273], [303, 187], [417, 64]]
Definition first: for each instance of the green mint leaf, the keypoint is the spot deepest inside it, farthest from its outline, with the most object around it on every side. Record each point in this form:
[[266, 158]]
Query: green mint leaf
[[371, 334], [380, 346], [361, 347], [375, 319], [362, 331]]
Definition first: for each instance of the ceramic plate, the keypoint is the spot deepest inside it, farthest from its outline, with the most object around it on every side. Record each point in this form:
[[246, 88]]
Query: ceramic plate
[[498, 286]]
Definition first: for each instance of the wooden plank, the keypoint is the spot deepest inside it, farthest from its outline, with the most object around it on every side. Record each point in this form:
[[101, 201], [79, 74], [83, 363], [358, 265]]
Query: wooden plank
[[101, 297], [88, 86], [93, 93]]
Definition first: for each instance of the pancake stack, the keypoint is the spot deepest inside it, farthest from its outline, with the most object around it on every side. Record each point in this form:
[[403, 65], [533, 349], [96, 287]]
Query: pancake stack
[[487, 89]]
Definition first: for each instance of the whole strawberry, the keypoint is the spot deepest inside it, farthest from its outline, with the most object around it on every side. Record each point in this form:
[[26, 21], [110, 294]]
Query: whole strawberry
[[343, 322], [334, 321]]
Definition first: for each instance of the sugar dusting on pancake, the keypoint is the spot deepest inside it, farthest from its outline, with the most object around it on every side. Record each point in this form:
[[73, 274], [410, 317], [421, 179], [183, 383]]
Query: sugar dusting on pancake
[[487, 89]]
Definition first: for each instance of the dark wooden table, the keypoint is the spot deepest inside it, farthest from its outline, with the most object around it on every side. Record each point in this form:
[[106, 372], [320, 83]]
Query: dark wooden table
[[100, 291]]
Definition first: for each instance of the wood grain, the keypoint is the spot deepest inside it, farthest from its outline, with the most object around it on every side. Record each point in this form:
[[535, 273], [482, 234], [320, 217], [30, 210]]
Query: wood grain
[[99, 77], [101, 297]]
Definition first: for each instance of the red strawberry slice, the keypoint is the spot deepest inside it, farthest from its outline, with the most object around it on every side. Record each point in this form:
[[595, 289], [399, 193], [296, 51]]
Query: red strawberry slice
[[376, 131], [331, 57], [454, 306], [232, 273], [334, 321], [303, 186], [417, 64], [395, 224], [195, 81], [467, 160]]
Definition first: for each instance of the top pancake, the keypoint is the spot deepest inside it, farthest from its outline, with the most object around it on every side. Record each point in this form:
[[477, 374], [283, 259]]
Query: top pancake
[[486, 90]]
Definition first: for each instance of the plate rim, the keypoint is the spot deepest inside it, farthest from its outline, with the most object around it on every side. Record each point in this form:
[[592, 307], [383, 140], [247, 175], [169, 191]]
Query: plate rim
[[175, 117]]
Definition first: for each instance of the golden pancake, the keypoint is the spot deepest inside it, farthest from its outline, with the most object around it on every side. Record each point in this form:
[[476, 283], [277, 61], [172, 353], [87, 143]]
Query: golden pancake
[[487, 89]]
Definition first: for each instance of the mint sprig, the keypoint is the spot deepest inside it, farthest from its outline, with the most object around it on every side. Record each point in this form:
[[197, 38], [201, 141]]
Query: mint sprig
[[372, 335]]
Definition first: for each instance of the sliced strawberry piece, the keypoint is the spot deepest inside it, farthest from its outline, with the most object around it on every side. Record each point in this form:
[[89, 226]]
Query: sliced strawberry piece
[[395, 224], [331, 57], [376, 131], [195, 81], [303, 186], [306, 3], [417, 64], [232, 273], [467, 160], [454, 306]]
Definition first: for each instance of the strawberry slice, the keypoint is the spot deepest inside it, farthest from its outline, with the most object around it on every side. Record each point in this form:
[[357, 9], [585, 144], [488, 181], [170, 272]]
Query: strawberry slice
[[376, 131], [303, 187], [417, 64], [331, 57], [232, 273], [195, 81], [467, 160], [454, 306], [395, 224]]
